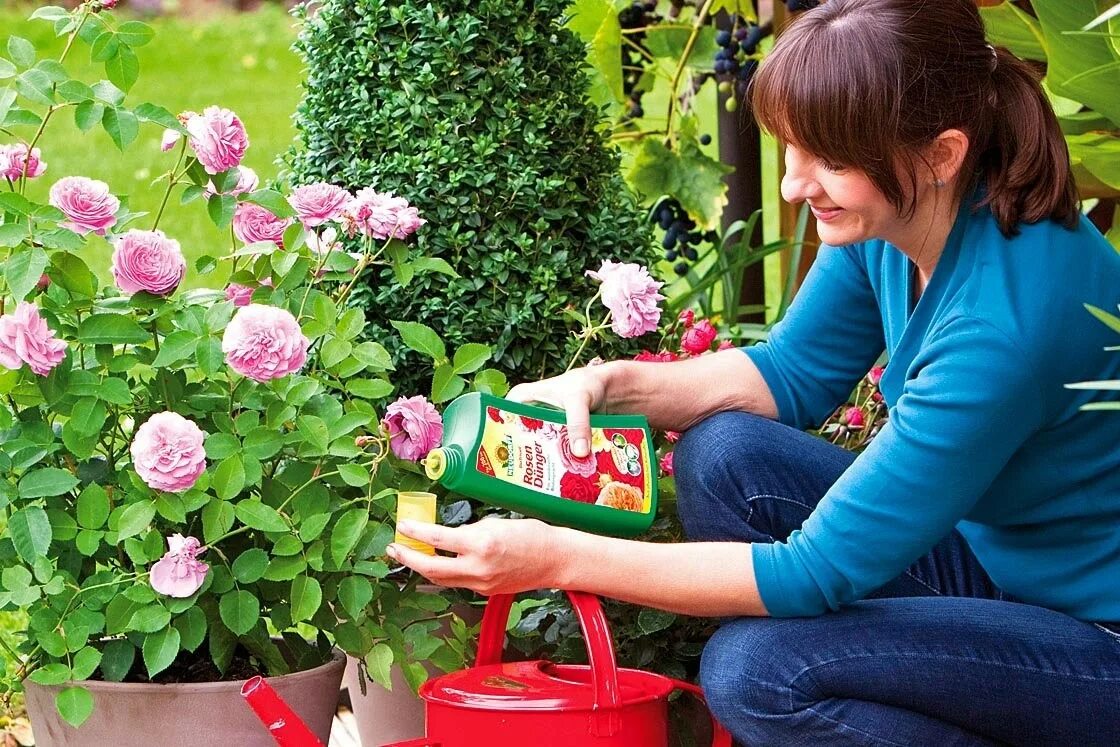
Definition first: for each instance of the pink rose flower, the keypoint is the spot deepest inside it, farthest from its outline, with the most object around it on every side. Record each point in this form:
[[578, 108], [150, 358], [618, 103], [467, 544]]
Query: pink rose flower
[[315, 204], [414, 427], [167, 452], [242, 295], [631, 295], [662, 356], [148, 261], [381, 215], [672, 436], [247, 181], [264, 342], [875, 375], [252, 223], [852, 417], [169, 139], [687, 317], [218, 139], [179, 573], [14, 159], [585, 466], [725, 345], [666, 464], [43, 282], [26, 338], [699, 337], [87, 204]]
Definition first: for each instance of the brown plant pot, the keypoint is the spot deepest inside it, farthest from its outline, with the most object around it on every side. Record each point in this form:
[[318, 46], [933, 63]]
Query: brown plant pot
[[128, 714], [388, 716]]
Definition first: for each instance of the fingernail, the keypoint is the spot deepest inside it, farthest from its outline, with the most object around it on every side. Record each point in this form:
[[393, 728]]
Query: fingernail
[[391, 551], [579, 447], [404, 525]]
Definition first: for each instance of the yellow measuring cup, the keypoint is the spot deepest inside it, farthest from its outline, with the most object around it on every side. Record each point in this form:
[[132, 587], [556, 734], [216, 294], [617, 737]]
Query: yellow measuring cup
[[415, 506]]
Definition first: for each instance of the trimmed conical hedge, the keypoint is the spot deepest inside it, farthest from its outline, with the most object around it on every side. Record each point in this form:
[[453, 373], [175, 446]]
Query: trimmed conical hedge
[[476, 112]]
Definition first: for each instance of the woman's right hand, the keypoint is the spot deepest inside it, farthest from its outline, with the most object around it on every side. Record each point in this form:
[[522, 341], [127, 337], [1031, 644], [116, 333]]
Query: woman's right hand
[[578, 393]]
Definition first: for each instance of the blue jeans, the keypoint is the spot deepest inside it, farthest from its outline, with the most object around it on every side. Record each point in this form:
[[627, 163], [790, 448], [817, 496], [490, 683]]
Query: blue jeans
[[938, 656]]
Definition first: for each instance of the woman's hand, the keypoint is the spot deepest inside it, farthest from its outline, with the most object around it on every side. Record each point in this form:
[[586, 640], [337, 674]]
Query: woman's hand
[[493, 556], [578, 393]]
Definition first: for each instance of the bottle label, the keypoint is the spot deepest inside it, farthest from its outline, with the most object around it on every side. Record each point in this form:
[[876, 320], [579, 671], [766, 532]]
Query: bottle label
[[536, 454]]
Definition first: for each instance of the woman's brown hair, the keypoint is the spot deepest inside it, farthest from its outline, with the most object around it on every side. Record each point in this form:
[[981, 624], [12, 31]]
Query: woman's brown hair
[[867, 84]]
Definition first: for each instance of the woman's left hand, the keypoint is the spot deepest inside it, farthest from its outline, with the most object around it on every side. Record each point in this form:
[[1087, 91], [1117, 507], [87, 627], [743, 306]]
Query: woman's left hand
[[493, 556]]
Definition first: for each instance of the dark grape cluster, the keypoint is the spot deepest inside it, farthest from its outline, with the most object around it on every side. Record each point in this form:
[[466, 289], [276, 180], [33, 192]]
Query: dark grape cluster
[[681, 237], [735, 61], [638, 15], [795, 6]]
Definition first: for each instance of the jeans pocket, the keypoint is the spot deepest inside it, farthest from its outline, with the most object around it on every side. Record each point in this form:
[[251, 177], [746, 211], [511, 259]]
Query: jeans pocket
[[1112, 630]]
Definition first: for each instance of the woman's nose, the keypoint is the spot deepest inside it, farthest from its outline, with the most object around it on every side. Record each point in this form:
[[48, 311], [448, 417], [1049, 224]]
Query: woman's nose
[[798, 186]]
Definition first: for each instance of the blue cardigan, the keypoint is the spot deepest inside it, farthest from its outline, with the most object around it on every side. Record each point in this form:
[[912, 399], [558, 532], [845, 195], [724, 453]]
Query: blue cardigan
[[982, 436]]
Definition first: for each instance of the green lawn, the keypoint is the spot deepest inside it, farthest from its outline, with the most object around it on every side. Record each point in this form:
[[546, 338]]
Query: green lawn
[[243, 62]]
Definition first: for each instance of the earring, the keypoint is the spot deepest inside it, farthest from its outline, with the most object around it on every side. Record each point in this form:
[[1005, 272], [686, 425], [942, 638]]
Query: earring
[[939, 183]]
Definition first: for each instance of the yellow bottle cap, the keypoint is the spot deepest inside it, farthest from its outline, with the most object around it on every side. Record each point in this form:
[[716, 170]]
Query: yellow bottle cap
[[435, 464], [416, 506]]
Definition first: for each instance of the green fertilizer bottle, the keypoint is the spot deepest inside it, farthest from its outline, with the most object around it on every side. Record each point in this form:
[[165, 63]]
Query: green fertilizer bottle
[[517, 456]]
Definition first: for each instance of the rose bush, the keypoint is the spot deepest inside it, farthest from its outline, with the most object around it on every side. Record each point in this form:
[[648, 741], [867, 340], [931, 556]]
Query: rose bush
[[203, 478]]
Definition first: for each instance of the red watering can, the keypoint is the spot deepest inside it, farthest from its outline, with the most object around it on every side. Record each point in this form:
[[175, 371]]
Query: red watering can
[[495, 704]]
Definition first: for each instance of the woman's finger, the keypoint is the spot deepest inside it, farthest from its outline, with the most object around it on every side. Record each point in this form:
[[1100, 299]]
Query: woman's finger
[[434, 567], [452, 539]]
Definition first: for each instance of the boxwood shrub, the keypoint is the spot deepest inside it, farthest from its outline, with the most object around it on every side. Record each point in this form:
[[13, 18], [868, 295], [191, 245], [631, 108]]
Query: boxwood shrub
[[476, 112]]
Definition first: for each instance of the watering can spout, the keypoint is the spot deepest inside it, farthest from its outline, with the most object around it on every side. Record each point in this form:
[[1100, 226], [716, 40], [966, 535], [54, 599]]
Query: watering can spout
[[280, 720]]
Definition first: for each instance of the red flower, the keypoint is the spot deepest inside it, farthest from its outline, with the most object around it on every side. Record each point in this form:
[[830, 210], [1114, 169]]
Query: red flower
[[494, 414], [531, 424], [664, 356], [667, 463], [699, 338], [725, 345], [875, 375], [687, 317], [672, 436], [578, 488], [852, 417], [606, 466]]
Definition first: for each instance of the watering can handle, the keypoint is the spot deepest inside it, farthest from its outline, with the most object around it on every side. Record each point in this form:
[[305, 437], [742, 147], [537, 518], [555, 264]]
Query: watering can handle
[[720, 736], [596, 634]]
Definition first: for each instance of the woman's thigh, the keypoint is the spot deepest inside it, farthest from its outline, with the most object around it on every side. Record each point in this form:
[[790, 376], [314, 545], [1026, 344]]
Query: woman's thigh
[[917, 671]]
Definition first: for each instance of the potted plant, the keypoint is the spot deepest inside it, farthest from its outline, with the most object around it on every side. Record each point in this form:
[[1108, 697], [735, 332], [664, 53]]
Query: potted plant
[[197, 485]]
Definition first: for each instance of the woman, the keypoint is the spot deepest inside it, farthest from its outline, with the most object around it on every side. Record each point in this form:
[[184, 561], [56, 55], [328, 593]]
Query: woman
[[958, 582]]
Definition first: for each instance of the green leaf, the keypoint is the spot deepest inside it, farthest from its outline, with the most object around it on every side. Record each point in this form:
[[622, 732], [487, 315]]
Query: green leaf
[[46, 482], [150, 618], [471, 357], [306, 598], [104, 47], [220, 208], [347, 532], [158, 115], [160, 650], [240, 611], [373, 354], [51, 674], [21, 51], [491, 381], [260, 516], [434, 264], [334, 351], [446, 384], [1080, 67], [74, 704], [209, 355], [116, 659], [175, 347], [691, 176], [596, 22], [88, 115], [1111, 321], [378, 661], [30, 530], [654, 621], [1016, 30], [369, 388], [23, 270], [74, 92], [192, 628], [315, 432], [121, 125], [355, 593], [250, 565], [422, 339], [217, 519], [111, 329], [272, 201], [355, 475], [228, 478], [12, 234], [93, 506], [50, 13], [13, 202], [285, 569], [135, 33], [123, 69], [7, 70], [88, 416], [263, 443], [135, 518], [72, 273]]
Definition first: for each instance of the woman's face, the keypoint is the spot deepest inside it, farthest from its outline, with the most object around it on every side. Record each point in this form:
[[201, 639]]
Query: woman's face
[[848, 207]]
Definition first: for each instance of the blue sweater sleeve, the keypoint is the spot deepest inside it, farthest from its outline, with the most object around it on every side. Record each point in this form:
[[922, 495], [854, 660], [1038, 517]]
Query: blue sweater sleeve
[[829, 338], [971, 404]]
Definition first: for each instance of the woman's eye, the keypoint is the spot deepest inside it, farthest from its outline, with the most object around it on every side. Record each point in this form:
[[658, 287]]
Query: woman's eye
[[830, 166]]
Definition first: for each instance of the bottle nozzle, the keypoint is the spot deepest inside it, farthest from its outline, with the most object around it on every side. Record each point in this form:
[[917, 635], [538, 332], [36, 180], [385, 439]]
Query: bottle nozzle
[[435, 464]]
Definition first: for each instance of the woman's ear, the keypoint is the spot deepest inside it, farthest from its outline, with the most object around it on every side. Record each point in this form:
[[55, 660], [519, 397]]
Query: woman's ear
[[946, 154]]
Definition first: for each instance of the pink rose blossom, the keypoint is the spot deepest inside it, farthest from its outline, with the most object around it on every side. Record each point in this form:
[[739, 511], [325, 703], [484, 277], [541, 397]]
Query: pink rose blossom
[[687, 317], [26, 338], [666, 464], [218, 139], [381, 215], [631, 295], [725, 345], [148, 261], [13, 161], [253, 223], [264, 342], [179, 573], [662, 356], [875, 375], [672, 436], [699, 337], [247, 181], [584, 466], [315, 204], [170, 137], [167, 452], [414, 427], [242, 295], [87, 204], [43, 282], [852, 417], [104, 5]]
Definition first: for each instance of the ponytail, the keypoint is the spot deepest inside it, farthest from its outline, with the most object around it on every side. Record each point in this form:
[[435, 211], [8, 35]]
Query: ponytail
[[1025, 165]]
